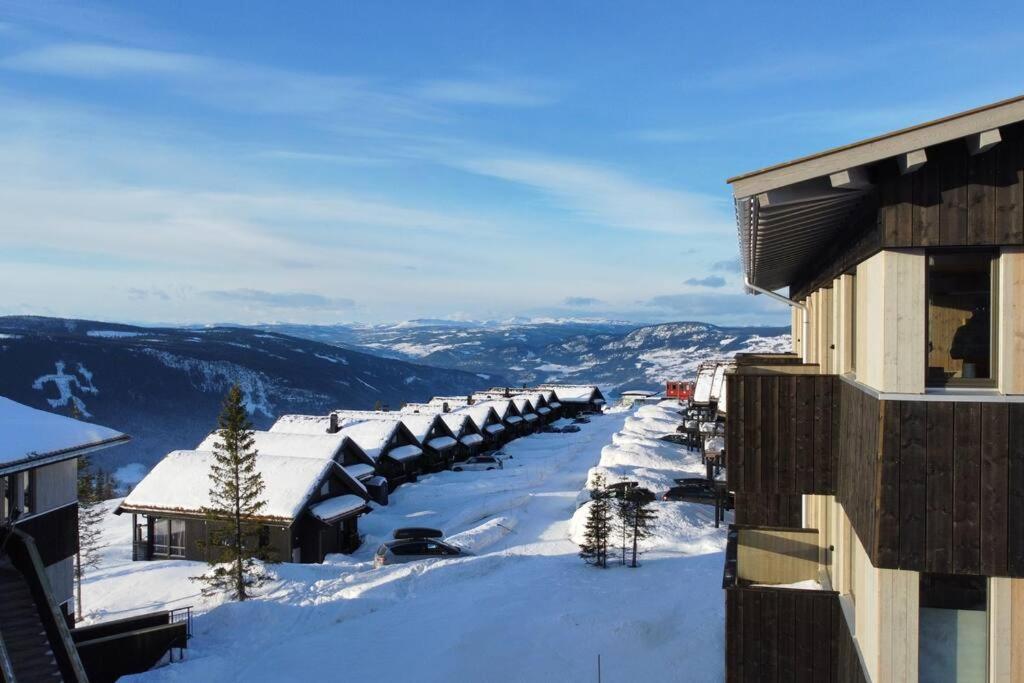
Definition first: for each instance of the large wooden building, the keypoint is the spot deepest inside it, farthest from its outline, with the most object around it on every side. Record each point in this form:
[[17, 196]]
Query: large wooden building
[[879, 469]]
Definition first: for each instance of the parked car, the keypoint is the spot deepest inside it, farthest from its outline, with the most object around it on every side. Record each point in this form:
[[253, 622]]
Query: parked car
[[567, 429], [479, 463], [582, 420], [698, 491], [413, 545]]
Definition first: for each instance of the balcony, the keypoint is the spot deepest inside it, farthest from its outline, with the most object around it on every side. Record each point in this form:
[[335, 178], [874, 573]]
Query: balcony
[[780, 624], [782, 431]]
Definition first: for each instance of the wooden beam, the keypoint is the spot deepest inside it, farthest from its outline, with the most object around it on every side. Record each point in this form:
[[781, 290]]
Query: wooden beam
[[983, 141], [850, 179], [911, 161]]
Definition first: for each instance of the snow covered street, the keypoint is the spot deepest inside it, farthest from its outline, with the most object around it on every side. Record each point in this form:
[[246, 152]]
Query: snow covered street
[[524, 608]]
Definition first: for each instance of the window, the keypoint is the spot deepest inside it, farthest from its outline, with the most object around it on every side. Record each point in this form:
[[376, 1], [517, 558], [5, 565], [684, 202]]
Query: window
[[169, 537], [177, 537], [960, 318], [161, 537], [953, 628]]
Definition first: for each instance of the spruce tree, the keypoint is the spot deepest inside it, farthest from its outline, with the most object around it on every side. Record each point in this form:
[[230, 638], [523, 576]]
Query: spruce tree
[[594, 548], [90, 519], [640, 516], [236, 489]]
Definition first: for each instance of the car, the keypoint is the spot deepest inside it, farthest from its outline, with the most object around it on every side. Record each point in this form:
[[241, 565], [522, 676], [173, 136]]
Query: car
[[478, 463], [698, 491], [413, 545]]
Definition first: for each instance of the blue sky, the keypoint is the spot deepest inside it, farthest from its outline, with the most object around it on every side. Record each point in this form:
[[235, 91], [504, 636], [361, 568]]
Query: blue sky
[[248, 161]]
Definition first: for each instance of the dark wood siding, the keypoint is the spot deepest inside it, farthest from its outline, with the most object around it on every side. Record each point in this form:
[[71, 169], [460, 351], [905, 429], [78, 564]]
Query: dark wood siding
[[769, 509], [782, 433], [55, 533], [934, 485], [954, 200], [777, 634]]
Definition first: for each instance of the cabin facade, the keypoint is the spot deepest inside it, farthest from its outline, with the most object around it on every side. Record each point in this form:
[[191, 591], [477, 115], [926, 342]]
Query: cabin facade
[[882, 463], [312, 509], [440, 445], [488, 423], [507, 412], [575, 399]]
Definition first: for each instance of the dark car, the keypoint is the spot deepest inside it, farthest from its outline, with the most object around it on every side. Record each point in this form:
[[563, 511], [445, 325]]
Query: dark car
[[699, 491], [413, 544]]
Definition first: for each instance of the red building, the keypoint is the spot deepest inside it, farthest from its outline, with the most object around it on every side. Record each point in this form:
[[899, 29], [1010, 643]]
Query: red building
[[680, 390]]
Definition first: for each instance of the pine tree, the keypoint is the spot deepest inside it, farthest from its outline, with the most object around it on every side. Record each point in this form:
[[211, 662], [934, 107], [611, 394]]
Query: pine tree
[[90, 518], [236, 489], [622, 507], [597, 531], [639, 516]]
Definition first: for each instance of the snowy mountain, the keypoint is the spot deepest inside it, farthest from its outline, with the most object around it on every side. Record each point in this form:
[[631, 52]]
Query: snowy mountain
[[615, 355], [163, 386]]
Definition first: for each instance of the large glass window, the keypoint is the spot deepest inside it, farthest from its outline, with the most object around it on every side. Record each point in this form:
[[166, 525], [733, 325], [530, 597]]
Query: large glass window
[[960, 318], [177, 548], [953, 629], [161, 537]]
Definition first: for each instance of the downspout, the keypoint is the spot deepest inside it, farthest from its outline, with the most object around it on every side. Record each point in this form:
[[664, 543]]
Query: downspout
[[788, 302]]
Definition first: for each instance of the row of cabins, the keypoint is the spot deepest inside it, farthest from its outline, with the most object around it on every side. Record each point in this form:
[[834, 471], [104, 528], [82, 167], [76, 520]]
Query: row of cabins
[[321, 471], [39, 637], [878, 470]]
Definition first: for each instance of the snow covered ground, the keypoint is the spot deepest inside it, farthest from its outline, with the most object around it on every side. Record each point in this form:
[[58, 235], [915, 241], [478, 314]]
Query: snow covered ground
[[524, 608]]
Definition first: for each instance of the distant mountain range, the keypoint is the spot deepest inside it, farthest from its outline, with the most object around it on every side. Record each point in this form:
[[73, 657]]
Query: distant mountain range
[[163, 386], [615, 355]]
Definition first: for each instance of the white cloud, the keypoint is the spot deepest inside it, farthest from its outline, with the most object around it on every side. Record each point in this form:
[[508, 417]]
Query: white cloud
[[608, 197], [498, 92]]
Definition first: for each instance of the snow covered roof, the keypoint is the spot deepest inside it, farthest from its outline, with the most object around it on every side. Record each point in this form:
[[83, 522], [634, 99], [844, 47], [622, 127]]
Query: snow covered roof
[[373, 436], [502, 408], [457, 422], [481, 414], [718, 381], [302, 424], [574, 393], [181, 483], [452, 401], [323, 446], [442, 442], [32, 436], [638, 392], [523, 404], [705, 378], [419, 424], [403, 453], [472, 439], [335, 508]]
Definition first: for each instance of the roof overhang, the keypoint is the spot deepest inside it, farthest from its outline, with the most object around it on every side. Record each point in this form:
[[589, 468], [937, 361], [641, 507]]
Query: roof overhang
[[787, 213], [38, 460]]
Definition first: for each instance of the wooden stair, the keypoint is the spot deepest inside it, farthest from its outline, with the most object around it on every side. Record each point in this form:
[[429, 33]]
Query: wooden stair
[[24, 636]]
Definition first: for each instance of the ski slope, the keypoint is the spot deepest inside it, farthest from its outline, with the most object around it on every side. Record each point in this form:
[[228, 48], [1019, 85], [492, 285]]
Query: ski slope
[[524, 608]]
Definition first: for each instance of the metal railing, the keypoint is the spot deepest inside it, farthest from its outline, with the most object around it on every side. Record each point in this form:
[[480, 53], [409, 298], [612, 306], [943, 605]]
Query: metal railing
[[179, 615]]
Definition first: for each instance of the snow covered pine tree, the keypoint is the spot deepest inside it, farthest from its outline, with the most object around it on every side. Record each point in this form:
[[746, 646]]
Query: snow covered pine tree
[[598, 529], [235, 498]]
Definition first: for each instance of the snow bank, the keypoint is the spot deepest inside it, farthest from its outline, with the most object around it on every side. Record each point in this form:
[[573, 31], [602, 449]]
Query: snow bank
[[485, 535]]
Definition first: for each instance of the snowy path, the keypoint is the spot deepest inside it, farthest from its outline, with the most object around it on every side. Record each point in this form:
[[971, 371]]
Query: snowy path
[[526, 608]]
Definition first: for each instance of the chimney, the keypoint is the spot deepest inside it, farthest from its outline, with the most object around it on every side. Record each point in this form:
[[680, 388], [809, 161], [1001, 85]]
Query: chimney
[[333, 428], [444, 407]]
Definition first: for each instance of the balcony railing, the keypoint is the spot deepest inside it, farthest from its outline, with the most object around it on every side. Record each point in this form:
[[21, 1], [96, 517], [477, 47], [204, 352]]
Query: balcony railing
[[779, 624]]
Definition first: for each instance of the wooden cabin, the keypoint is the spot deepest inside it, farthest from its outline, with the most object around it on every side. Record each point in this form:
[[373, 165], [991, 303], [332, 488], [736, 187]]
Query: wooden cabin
[[470, 440], [312, 507], [880, 465], [488, 423], [576, 399], [507, 412], [439, 443], [395, 452]]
